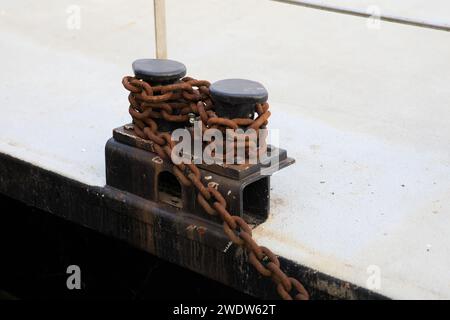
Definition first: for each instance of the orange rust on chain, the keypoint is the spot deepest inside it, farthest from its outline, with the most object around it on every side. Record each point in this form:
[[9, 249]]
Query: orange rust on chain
[[255, 259], [191, 96], [301, 295], [223, 122], [244, 235], [205, 205]]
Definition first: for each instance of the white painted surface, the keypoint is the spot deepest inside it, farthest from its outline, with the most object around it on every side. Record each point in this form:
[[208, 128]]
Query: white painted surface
[[363, 111]]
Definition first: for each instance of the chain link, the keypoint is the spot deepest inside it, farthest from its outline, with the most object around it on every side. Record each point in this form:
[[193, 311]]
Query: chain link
[[174, 103]]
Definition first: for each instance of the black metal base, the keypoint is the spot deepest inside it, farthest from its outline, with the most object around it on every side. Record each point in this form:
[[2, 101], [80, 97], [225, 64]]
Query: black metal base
[[132, 165], [276, 157]]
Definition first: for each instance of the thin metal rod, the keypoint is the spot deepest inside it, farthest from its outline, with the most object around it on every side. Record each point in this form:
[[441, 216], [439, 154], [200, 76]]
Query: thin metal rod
[[160, 28], [359, 13]]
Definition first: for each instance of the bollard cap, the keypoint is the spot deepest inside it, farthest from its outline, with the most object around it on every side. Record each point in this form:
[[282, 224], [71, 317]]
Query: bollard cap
[[238, 91], [158, 70]]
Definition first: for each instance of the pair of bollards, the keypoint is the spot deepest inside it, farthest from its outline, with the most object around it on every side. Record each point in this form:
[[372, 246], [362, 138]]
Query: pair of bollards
[[233, 98], [236, 103], [214, 205]]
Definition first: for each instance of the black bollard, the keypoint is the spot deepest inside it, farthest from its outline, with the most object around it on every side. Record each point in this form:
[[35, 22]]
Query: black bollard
[[160, 72], [237, 98]]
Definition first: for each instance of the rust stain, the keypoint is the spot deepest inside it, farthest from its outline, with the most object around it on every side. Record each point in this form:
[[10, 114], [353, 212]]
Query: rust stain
[[201, 230]]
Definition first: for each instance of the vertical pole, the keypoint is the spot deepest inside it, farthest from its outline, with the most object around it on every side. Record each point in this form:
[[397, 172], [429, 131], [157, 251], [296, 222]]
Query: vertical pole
[[160, 28]]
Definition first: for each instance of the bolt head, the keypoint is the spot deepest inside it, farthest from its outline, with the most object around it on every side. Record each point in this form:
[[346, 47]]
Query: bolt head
[[158, 70]]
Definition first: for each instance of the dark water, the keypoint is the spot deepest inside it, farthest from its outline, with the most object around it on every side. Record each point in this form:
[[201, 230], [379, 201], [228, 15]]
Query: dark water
[[36, 248]]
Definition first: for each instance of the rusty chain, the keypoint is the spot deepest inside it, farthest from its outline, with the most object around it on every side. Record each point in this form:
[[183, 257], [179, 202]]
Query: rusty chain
[[177, 103]]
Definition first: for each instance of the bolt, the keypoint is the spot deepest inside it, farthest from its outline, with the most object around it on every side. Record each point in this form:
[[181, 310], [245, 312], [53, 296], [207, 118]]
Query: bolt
[[237, 98]]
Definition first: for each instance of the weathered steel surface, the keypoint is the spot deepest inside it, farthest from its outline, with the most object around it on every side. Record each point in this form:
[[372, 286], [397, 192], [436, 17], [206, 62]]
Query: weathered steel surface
[[135, 170], [126, 135], [181, 238]]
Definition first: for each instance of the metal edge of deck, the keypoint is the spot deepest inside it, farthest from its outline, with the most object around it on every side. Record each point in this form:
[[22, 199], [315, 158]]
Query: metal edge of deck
[[147, 226]]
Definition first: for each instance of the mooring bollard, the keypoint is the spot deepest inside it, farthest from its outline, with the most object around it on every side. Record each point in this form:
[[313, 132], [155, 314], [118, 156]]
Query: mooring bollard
[[236, 103], [237, 98], [212, 203], [160, 72]]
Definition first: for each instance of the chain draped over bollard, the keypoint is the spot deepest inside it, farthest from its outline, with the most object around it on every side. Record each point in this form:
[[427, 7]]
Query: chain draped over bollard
[[162, 100]]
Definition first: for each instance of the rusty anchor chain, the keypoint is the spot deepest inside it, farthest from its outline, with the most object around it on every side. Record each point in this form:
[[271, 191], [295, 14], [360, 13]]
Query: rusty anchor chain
[[176, 102]]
